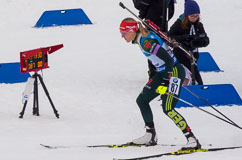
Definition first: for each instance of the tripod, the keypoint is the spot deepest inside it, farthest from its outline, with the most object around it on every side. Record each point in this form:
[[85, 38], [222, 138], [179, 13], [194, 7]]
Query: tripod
[[36, 98]]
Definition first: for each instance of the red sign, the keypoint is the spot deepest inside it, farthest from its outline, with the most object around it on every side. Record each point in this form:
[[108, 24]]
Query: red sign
[[36, 59]]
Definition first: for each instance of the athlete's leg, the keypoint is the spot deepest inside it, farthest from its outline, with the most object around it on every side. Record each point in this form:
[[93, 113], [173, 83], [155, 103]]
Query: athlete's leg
[[169, 103], [148, 94]]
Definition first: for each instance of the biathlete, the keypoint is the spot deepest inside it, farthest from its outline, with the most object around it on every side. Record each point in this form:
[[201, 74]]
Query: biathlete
[[168, 78]]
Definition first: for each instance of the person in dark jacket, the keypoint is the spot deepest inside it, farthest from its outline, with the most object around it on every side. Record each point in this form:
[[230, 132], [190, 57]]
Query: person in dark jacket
[[190, 33], [156, 11]]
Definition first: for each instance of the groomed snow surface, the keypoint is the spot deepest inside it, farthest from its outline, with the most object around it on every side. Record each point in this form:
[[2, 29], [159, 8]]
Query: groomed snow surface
[[95, 79]]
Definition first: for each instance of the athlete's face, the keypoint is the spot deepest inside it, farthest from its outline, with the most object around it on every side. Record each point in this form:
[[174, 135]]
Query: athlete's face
[[128, 36]]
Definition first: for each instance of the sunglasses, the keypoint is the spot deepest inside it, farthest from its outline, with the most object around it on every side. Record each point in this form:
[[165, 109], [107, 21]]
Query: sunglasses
[[123, 33], [194, 15]]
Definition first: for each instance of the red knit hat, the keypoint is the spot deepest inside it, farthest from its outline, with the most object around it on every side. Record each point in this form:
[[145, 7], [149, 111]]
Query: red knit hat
[[128, 26]]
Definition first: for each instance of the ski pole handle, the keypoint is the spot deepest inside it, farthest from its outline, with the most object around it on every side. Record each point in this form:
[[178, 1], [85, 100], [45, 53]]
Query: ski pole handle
[[122, 5]]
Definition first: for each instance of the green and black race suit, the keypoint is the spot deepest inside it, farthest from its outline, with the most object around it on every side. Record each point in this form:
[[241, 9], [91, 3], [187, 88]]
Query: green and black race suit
[[157, 51]]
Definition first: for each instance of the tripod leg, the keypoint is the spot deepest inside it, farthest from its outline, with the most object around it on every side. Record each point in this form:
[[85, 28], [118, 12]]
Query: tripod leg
[[27, 91], [36, 98], [47, 94], [23, 110]]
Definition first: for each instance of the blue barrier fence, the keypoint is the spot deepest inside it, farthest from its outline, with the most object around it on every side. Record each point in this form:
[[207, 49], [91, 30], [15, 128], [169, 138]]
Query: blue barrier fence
[[217, 95], [206, 63], [62, 17], [10, 73]]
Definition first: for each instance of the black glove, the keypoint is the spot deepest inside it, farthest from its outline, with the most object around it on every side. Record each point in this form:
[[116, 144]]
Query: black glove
[[199, 41], [190, 37], [186, 41]]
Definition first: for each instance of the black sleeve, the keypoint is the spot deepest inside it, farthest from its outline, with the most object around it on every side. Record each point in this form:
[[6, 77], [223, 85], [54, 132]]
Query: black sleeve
[[201, 39], [176, 32], [136, 4], [206, 38], [171, 9], [143, 8]]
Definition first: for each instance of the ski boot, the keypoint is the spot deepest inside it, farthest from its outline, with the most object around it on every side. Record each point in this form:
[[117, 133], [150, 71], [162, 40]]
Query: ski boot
[[192, 142], [149, 139]]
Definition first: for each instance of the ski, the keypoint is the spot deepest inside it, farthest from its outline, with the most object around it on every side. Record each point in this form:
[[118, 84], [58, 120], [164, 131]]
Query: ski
[[128, 144], [124, 145], [180, 152], [57, 146]]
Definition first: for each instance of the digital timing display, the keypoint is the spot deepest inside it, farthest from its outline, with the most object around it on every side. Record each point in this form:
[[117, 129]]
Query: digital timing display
[[36, 61], [33, 61]]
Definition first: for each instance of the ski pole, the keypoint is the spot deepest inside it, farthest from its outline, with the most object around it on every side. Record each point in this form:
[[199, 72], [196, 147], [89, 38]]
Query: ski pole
[[190, 104], [209, 105], [154, 28]]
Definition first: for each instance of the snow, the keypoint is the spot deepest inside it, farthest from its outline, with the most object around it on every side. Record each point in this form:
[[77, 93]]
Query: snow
[[95, 79]]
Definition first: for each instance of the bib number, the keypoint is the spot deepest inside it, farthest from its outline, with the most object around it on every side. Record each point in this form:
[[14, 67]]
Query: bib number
[[174, 85]]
